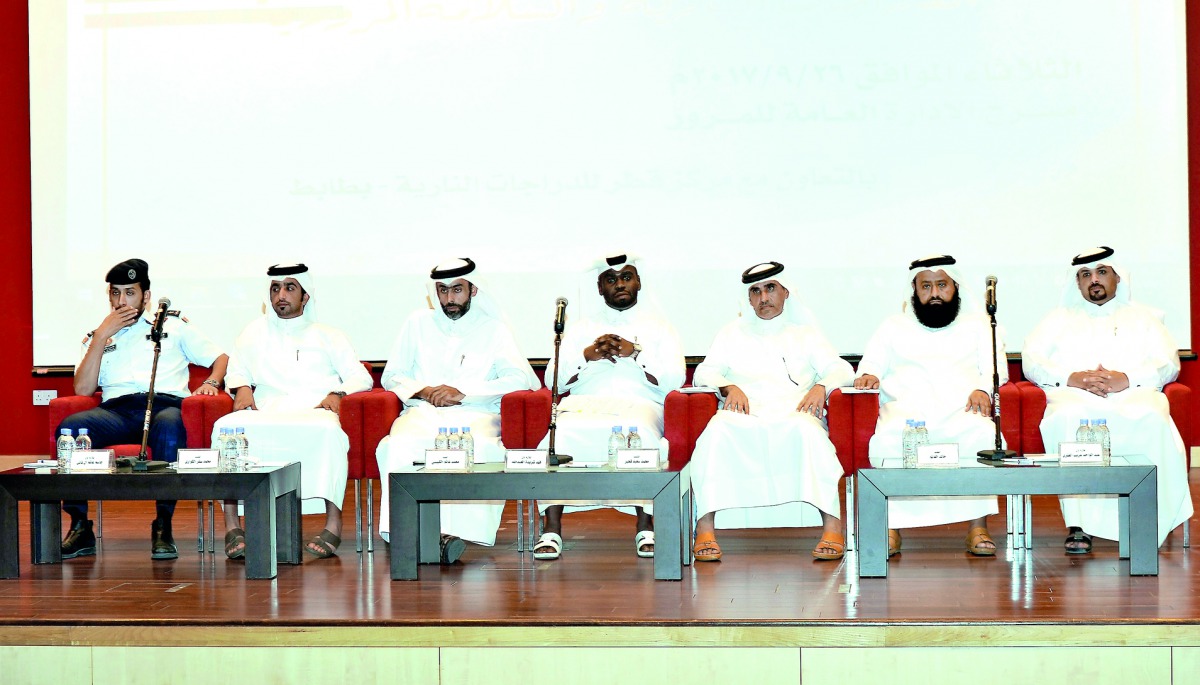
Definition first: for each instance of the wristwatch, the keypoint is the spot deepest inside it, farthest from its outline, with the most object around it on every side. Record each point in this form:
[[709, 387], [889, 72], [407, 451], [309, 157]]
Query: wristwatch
[[637, 349], [339, 393], [212, 383]]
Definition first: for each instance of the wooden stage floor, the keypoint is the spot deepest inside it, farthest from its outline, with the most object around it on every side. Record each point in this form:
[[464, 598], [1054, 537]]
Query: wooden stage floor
[[767, 578]]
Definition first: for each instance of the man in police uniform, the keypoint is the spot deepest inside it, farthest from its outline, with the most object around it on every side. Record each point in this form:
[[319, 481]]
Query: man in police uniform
[[117, 359]]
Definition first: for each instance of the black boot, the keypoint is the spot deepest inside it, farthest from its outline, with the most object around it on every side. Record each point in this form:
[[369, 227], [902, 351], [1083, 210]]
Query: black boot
[[162, 544], [80, 540]]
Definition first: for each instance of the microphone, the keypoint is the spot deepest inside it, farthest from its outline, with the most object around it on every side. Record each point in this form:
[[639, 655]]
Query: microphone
[[990, 296], [560, 315], [159, 317]]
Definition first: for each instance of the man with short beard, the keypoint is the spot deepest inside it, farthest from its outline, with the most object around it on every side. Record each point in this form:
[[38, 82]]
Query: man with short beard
[[450, 366], [933, 363], [1101, 356]]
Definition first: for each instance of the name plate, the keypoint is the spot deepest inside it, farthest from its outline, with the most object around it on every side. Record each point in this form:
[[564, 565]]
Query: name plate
[[526, 460], [937, 455], [446, 460], [92, 461], [1090, 453], [197, 460], [638, 460]]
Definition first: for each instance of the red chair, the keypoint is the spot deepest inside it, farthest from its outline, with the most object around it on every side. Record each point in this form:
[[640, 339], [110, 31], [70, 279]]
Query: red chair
[[1179, 397], [200, 412], [367, 418]]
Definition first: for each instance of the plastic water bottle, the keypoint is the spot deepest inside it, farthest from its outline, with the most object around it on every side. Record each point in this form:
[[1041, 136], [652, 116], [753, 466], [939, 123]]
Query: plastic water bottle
[[1083, 433], [455, 442], [616, 441], [66, 446], [440, 442], [242, 445], [84, 441], [226, 452], [920, 437], [468, 444], [908, 450], [635, 440], [1102, 436]]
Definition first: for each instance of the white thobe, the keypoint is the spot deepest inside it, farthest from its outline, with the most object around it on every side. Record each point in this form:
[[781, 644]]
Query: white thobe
[[483, 363], [293, 364], [774, 467], [1124, 337], [928, 375], [606, 393]]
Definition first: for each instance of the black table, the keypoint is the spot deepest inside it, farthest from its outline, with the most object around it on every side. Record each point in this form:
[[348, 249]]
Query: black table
[[1132, 478], [271, 495], [416, 514]]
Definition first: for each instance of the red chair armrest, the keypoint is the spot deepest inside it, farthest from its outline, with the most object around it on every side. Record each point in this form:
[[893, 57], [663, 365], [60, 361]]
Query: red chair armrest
[[200, 412], [1033, 408], [840, 417], [1179, 396], [866, 416], [1010, 417], [524, 418], [62, 407], [366, 418], [685, 416]]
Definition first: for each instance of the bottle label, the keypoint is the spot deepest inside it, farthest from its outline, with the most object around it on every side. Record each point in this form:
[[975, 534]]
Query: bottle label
[[638, 460], [526, 460], [1080, 453], [92, 461], [198, 460], [937, 455]]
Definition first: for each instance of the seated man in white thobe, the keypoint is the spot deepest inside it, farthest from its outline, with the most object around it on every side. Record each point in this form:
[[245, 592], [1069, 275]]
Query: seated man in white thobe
[[288, 375], [619, 362], [1101, 356], [450, 367], [765, 460], [933, 362]]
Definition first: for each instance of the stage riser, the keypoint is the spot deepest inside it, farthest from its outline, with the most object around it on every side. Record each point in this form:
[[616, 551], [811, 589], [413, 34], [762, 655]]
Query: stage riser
[[600, 665]]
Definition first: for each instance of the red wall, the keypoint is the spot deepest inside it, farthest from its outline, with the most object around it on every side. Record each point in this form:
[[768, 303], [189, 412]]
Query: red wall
[[26, 431]]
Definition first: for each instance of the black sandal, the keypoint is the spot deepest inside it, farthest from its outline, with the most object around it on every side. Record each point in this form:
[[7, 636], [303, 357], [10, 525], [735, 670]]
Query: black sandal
[[233, 538], [1076, 534]]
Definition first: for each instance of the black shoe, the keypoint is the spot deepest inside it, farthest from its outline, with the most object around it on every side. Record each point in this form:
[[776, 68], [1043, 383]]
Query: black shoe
[[162, 545], [80, 540], [452, 548]]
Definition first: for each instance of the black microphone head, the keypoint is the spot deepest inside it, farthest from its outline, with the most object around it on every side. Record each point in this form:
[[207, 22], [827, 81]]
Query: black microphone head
[[991, 281], [164, 302], [560, 302]]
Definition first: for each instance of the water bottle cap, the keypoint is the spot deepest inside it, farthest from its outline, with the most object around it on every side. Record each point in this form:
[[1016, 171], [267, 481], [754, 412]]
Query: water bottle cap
[[466, 429], [911, 422], [240, 430], [441, 430], [64, 431], [633, 429], [1102, 422], [83, 431], [1083, 422], [616, 429]]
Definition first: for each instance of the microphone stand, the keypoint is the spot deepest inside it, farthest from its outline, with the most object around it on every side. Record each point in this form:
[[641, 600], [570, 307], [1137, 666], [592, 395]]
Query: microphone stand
[[142, 463], [555, 459], [995, 455]]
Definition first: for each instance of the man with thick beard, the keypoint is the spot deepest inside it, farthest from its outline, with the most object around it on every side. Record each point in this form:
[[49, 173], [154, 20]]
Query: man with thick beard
[[933, 362]]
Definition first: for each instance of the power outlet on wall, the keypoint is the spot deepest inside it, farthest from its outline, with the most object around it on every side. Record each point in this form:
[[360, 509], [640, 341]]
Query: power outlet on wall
[[43, 397]]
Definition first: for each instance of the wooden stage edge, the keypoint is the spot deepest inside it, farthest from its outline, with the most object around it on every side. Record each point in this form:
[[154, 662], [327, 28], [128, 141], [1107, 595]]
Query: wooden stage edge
[[847, 634]]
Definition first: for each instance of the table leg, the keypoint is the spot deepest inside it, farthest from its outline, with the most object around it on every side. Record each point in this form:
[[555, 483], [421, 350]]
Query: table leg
[[1122, 527], [10, 550], [668, 535], [45, 523], [689, 526], [260, 528], [872, 528], [1142, 517], [405, 542], [289, 535], [430, 522]]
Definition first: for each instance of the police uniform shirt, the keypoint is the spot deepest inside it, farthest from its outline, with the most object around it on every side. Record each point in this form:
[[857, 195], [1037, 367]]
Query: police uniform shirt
[[128, 356]]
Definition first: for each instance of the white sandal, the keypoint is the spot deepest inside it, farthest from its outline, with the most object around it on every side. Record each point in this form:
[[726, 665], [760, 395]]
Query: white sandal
[[551, 540], [644, 537]]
